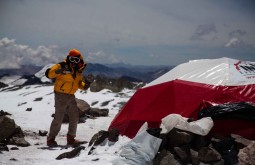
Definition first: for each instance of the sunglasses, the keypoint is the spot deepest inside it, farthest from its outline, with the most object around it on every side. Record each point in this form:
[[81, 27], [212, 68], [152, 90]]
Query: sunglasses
[[74, 59]]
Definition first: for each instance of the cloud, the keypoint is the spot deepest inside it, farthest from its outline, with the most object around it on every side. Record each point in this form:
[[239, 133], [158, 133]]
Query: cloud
[[203, 30], [14, 55], [102, 57], [237, 33], [237, 43]]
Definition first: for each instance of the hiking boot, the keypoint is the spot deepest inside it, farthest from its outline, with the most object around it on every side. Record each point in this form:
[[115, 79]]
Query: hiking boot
[[71, 140], [51, 142]]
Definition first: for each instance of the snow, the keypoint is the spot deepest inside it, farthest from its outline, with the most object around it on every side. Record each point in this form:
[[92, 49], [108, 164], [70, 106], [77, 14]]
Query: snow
[[16, 100], [41, 73], [13, 80]]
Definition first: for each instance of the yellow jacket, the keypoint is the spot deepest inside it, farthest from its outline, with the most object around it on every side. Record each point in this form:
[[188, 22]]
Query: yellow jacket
[[69, 82]]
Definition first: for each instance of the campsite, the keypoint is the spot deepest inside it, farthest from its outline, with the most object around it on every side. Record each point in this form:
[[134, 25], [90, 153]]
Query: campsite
[[127, 82], [201, 111]]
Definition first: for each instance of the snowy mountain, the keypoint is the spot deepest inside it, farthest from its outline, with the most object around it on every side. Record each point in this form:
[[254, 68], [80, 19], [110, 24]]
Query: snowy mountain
[[16, 99], [131, 72]]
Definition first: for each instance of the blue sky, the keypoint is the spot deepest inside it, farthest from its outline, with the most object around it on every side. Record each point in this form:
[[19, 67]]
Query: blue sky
[[139, 32]]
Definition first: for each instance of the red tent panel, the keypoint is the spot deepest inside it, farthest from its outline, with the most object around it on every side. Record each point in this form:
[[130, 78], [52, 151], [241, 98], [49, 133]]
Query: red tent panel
[[153, 103]]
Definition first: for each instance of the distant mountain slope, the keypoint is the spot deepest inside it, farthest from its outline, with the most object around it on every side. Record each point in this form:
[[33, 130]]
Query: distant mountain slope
[[131, 72], [24, 70], [143, 73]]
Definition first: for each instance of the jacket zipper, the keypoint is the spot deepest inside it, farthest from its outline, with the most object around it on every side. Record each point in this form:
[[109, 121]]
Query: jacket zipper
[[62, 86], [71, 87]]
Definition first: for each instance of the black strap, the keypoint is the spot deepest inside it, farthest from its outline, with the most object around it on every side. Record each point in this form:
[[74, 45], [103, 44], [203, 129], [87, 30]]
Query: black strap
[[47, 72]]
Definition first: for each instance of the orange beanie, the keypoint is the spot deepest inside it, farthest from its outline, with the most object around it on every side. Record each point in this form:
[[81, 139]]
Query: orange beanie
[[74, 52]]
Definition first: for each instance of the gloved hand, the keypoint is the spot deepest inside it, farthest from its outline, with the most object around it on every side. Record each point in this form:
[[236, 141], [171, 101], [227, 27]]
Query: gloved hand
[[88, 80], [60, 71]]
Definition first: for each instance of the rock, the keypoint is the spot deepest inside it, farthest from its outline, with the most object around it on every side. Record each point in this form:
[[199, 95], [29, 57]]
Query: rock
[[200, 141], [29, 109], [19, 141], [113, 135], [43, 133], [241, 142], [14, 148], [115, 85], [106, 102], [247, 155], [75, 152], [98, 138], [165, 157], [12, 133], [183, 153], [38, 99], [194, 157], [3, 147], [7, 127], [2, 85], [208, 154], [13, 159], [83, 107], [18, 138], [176, 137], [96, 112], [227, 148], [2, 113]]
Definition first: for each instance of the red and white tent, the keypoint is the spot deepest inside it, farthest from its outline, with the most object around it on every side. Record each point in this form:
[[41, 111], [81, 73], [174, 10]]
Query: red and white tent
[[183, 89]]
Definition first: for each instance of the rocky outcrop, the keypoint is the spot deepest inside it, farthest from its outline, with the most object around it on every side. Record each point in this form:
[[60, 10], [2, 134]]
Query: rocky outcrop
[[113, 84], [99, 138], [247, 154], [181, 147], [10, 133], [2, 85], [75, 152]]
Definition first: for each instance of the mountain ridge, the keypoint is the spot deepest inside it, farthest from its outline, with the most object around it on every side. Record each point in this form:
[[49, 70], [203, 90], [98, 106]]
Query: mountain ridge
[[142, 73]]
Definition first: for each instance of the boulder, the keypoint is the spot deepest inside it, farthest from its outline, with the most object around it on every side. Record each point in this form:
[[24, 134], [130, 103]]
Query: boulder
[[113, 135], [194, 157], [165, 157], [241, 141], [113, 84], [19, 141], [183, 153], [247, 154], [11, 133], [177, 137], [75, 152], [18, 138], [208, 155], [83, 106], [3, 113], [7, 127], [98, 138], [96, 112], [43, 132], [226, 146], [3, 147]]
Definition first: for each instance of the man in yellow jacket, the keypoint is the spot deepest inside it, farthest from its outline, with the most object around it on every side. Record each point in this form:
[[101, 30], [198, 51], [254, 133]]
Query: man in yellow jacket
[[68, 79]]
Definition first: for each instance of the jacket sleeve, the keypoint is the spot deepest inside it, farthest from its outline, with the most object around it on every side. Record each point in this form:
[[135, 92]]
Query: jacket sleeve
[[50, 73]]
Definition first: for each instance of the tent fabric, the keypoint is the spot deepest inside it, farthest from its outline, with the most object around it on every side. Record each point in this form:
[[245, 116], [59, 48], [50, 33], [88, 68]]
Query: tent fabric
[[182, 91], [222, 71]]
